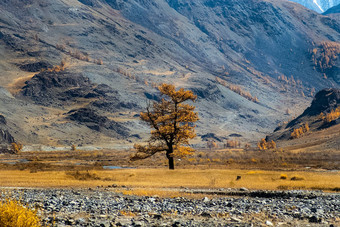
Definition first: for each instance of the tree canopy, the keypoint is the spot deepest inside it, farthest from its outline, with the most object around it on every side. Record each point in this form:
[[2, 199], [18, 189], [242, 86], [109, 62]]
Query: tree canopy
[[172, 125]]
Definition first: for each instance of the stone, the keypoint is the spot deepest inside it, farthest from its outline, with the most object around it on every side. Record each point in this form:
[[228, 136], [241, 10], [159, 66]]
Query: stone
[[235, 219], [269, 223], [314, 219], [206, 215]]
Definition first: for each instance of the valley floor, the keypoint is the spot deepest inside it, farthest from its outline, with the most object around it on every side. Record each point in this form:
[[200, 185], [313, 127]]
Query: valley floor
[[212, 188]]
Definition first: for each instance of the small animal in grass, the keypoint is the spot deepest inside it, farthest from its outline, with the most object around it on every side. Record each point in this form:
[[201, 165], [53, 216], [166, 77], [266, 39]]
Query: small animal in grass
[[238, 178]]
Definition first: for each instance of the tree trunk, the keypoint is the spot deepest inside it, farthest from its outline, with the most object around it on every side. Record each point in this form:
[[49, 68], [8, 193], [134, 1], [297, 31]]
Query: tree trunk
[[171, 163], [170, 158]]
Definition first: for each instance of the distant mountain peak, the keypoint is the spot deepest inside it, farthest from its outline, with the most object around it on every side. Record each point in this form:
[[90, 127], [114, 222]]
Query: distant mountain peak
[[319, 6]]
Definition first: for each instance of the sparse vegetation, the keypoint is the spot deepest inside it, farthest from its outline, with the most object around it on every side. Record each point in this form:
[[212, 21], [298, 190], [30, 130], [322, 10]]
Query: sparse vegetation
[[300, 131], [98, 61], [83, 56], [73, 147], [329, 117], [83, 176], [289, 81], [264, 145], [238, 90], [283, 176], [16, 147], [14, 214], [297, 178], [232, 144], [211, 144], [57, 68], [325, 56]]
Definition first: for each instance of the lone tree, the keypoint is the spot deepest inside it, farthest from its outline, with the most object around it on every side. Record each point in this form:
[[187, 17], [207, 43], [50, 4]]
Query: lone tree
[[172, 124]]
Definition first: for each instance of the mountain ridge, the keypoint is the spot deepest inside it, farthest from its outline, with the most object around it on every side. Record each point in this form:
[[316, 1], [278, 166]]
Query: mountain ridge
[[333, 10]]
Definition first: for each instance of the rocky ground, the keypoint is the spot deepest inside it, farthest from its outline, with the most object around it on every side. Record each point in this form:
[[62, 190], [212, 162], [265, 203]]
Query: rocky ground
[[104, 207]]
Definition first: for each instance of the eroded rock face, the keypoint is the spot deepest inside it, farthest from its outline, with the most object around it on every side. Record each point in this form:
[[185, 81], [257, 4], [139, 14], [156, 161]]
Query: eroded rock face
[[64, 88], [2, 120], [92, 3], [5, 137], [94, 121], [325, 101], [52, 88], [36, 66]]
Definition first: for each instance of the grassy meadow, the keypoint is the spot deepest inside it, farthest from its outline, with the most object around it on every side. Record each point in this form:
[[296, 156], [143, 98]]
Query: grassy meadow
[[206, 169], [151, 179]]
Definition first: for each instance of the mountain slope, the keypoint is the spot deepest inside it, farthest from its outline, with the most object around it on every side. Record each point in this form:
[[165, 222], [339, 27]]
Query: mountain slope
[[227, 52], [334, 9], [318, 126]]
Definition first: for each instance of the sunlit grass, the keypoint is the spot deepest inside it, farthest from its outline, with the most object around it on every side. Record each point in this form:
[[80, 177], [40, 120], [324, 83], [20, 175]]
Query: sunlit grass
[[162, 178]]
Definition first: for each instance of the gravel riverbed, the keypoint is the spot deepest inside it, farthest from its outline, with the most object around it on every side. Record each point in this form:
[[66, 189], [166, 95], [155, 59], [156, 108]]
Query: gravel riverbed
[[104, 207]]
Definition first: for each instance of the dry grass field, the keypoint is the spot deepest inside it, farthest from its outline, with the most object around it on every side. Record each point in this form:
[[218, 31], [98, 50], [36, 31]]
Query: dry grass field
[[152, 179], [212, 169]]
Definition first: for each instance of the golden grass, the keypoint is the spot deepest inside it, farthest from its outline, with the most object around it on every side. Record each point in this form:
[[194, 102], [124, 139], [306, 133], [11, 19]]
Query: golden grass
[[18, 83], [162, 178]]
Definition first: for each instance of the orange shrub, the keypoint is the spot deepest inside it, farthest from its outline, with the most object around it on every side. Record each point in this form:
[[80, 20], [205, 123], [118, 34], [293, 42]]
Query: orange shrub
[[333, 115], [13, 213], [264, 145], [299, 131]]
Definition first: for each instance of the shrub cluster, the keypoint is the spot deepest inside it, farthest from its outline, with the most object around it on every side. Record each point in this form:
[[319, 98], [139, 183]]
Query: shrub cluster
[[13, 213], [83, 56], [325, 56], [211, 144], [238, 90], [329, 117], [16, 147], [232, 144], [299, 131], [264, 145]]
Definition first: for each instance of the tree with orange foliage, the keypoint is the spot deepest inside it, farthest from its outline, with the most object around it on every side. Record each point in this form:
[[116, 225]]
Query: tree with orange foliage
[[16, 147], [299, 131], [172, 124], [211, 144], [264, 145], [333, 115]]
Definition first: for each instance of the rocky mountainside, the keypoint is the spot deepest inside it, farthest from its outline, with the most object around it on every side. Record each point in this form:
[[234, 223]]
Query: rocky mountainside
[[323, 115], [319, 6], [79, 72]]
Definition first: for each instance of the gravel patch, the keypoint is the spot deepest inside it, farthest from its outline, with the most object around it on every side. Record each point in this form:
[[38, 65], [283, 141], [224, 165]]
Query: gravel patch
[[103, 207]]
